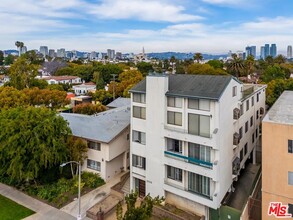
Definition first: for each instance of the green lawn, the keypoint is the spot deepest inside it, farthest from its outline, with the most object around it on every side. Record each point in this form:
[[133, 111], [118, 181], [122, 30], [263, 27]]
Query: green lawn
[[10, 210]]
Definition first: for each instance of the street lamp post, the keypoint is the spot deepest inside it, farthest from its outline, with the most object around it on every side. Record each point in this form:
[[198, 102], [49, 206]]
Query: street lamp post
[[79, 180]]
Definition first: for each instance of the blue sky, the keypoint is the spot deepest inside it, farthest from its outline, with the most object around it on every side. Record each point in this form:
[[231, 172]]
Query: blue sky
[[207, 26]]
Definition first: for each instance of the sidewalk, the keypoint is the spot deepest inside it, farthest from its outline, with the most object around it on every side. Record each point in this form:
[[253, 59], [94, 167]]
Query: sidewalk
[[91, 198], [43, 211]]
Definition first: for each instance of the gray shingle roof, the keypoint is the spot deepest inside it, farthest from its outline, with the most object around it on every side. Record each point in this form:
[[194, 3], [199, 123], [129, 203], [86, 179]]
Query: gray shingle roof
[[120, 102], [193, 86], [102, 127]]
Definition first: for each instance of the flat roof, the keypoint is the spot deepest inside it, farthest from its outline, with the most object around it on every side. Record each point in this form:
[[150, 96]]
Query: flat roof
[[282, 111]]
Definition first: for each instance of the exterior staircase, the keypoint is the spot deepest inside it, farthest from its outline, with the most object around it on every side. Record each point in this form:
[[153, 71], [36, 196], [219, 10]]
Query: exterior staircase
[[126, 187]]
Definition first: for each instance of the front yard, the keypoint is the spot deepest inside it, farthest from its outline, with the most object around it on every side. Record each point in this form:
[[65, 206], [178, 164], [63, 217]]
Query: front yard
[[10, 210]]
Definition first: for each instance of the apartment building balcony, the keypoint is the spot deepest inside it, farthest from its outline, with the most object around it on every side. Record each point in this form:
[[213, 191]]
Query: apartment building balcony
[[189, 159]]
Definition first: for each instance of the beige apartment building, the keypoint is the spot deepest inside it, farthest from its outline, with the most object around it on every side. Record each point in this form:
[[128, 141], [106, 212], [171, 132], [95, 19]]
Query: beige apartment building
[[277, 159]]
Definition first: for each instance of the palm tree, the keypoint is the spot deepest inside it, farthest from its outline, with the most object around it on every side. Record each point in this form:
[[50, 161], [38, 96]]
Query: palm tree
[[249, 64], [235, 66], [198, 57], [19, 45]]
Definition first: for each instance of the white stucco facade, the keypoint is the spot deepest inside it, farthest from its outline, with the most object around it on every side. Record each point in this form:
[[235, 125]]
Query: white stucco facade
[[185, 180], [111, 157]]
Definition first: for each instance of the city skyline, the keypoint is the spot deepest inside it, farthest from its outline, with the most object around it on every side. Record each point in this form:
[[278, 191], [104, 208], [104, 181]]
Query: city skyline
[[208, 26]]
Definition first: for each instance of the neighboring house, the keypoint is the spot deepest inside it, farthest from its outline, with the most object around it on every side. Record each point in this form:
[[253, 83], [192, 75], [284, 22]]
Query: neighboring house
[[277, 157], [107, 135], [119, 102], [76, 100], [84, 88], [191, 135], [62, 80]]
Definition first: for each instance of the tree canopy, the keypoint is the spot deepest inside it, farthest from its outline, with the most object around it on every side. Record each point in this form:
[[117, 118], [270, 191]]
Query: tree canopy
[[22, 73], [89, 108], [204, 69], [31, 139]]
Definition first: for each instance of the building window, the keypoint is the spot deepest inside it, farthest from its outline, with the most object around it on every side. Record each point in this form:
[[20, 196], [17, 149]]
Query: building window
[[199, 104], [138, 137], [94, 165], [127, 155], [245, 149], [246, 126], [257, 115], [199, 152], [252, 137], [138, 112], [256, 133], [241, 155], [251, 121], [290, 178], [252, 101], [138, 161], [127, 137], [174, 173], [174, 145], [240, 133], [290, 146], [234, 91], [198, 184], [174, 118], [241, 109], [257, 97], [140, 98], [247, 105], [174, 102], [94, 145], [199, 125]]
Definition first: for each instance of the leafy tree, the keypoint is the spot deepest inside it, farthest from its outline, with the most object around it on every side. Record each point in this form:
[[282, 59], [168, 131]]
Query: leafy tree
[[275, 89], [19, 45], [44, 97], [217, 64], [280, 59], [198, 57], [204, 69], [141, 212], [89, 108], [33, 57], [22, 73], [235, 66], [273, 72], [107, 71], [269, 60], [56, 87], [102, 96], [127, 80], [78, 150], [145, 68], [65, 71], [100, 84], [11, 98], [40, 83], [9, 59], [1, 58], [31, 139]]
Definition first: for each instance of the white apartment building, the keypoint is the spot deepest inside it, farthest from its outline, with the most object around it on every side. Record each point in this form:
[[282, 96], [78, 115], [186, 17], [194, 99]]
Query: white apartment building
[[107, 136], [191, 135]]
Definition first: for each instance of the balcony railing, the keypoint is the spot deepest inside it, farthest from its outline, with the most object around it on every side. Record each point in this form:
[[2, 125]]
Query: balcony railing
[[190, 159]]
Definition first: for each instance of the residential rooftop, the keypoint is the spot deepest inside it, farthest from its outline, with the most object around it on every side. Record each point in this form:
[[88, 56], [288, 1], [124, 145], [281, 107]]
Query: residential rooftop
[[193, 86], [101, 127], [282, 111], [119, 102], [60, 78]]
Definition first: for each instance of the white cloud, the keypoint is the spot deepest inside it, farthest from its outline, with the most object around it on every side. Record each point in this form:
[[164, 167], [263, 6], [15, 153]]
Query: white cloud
[[142, 10], [223, 2]]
